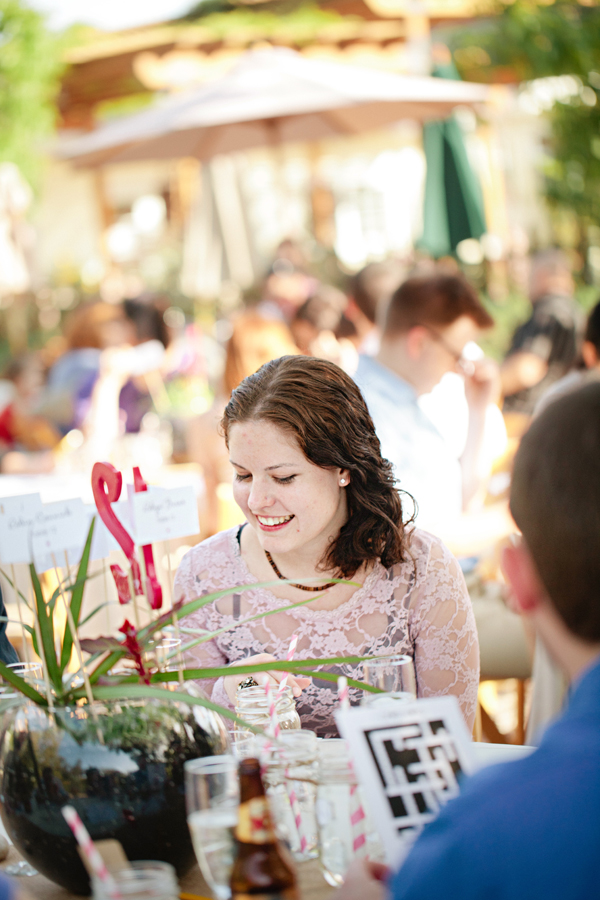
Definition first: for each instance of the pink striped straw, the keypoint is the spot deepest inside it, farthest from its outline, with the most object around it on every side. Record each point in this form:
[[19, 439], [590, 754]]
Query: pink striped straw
[[96, 862], [343, 694], [357, 813], [357, 820], [289, 658], [297, 817], [275, 729]]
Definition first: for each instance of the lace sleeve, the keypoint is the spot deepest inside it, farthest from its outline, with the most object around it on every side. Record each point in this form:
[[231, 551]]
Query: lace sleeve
[[443, 632], [189, 585]]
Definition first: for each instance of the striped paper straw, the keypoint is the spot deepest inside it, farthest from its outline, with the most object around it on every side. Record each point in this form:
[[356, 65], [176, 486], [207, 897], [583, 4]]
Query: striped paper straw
[[357, 813], [289, 658], [297, 817], [343, 694], [88, 847], [275, 729], [357, 820]]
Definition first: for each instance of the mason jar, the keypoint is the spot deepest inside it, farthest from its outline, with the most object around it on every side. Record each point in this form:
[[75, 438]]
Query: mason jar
[[142, 880], [339, 797], [252, 706]]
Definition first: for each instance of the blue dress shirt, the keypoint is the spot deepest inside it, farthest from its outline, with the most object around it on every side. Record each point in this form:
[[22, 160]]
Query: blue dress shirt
[[525, 830], [423, 463]]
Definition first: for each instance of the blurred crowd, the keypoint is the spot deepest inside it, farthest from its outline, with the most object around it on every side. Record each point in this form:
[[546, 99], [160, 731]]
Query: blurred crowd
[[447, 417]]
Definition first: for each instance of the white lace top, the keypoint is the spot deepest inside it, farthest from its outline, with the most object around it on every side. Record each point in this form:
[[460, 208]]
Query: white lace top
[[419, 607]]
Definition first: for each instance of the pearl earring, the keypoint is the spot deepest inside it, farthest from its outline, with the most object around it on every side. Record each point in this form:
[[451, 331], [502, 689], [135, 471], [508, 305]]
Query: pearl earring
[[342, 481]]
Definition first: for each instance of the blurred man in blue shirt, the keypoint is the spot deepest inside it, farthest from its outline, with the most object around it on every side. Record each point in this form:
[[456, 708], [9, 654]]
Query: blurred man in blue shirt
[[428, 323], [531, 829]]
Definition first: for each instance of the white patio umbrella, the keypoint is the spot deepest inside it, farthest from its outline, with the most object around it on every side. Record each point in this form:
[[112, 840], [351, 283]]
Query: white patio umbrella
[[270, 97]]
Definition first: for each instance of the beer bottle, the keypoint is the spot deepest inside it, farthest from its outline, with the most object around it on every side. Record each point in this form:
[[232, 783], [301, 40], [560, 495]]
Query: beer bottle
[[261, 868]]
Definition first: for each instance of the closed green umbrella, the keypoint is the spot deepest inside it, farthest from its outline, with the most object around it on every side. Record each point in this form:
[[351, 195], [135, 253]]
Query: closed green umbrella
[[453, 207]]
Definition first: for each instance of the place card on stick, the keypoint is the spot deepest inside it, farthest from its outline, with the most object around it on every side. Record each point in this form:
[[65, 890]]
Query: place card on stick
[[165, 513], [57, 527], [17, 516]]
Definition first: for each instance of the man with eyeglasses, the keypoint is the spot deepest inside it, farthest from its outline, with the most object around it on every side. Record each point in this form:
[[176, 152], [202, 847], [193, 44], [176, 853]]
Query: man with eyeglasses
[[428, 323]]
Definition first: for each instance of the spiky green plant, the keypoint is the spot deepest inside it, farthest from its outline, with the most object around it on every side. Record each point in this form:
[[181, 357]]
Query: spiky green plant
[[107, 652]]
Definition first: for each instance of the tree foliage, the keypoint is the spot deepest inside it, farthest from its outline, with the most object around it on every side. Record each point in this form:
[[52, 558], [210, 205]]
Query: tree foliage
[[30, 69], [531, 40]]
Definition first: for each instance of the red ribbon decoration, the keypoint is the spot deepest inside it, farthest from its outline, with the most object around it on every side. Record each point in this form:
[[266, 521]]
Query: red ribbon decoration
[[122, 583], [153, 588], [106, 485]]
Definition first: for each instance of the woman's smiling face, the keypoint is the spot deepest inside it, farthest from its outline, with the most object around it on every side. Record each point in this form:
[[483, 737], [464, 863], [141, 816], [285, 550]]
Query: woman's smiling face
[[290, 503]]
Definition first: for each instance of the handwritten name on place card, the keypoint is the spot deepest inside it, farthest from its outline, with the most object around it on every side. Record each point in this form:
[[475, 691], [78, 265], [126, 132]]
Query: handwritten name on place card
[[17, 516], [162, 514], [57, 527]]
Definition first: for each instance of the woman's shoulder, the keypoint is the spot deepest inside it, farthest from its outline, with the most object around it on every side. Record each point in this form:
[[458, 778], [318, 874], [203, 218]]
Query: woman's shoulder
[[423, 551], [211, 561], [221, 544]]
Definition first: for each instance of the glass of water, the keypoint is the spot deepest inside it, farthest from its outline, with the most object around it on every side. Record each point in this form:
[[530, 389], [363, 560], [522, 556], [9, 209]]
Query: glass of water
[[346, 829], [290, 780], [212, 797], [392, 674], [290, 775]]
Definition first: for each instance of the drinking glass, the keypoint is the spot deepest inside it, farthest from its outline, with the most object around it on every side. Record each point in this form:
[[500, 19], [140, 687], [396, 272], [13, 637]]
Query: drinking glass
[[290, 772], [386, 698], [291, 782], [339, 798], [32, 674], [141, 880], [212, 796], [392, 674]]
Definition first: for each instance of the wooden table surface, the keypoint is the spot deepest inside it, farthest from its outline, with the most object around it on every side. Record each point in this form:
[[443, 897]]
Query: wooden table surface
[[312, 884]]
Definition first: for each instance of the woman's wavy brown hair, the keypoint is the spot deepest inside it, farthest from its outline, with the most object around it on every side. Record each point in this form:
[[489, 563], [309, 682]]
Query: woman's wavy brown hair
[[323, 408]]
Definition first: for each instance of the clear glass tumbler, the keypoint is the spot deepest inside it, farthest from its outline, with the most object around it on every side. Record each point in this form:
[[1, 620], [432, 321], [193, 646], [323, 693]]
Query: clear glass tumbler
[[346, 828], [212, 796], [141, 880], [392, 674], [291, 776]]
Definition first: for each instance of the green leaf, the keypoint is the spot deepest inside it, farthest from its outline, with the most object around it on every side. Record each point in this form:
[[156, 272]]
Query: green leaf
[[106, 664], [141, 691], [209, 635], [296, 667], [192, 605], [21, 685], [102, 606], [77, 598], [46, 630]]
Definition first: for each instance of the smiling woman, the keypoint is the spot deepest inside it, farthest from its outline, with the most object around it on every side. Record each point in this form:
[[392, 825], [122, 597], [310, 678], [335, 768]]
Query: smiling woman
[[321, 504]]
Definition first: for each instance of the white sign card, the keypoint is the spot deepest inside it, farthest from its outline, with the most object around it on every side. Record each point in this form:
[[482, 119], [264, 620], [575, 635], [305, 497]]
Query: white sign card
[[409, 757], [165, 513], [17, 516], [57, 527], [103, 541]]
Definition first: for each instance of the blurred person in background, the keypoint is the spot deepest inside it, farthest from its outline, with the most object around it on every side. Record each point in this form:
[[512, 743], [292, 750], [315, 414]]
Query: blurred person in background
[[287, 284], [547, 345], [369, 292], [320, 328], [26, 438], [254, 340], [129, 383], [429, 322], [143, 390], [590, 370], [91, 328]]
